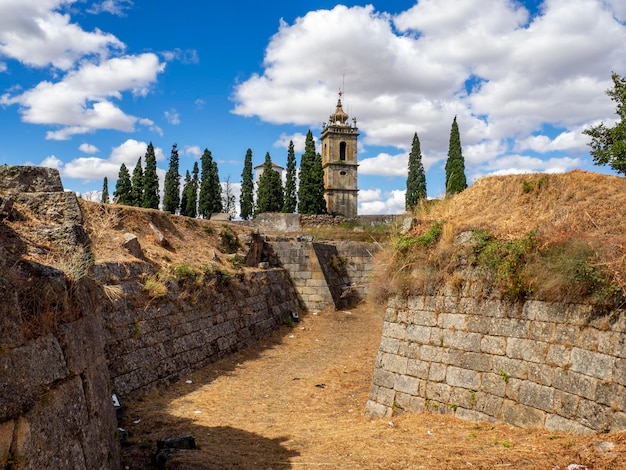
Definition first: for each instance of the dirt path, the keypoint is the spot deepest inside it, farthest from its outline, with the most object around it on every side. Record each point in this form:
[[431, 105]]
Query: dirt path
[[297, 399]]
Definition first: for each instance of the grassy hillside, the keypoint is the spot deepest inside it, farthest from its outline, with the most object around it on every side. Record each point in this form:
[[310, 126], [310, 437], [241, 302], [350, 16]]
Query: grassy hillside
[[551, 236]]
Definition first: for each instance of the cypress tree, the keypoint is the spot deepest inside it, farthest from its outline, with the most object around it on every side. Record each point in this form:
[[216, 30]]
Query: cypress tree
[[105, 191], [210, 189], [137, 191], [455, 165], [416, 181], [123, 187], [185, 196], [246, 199], [290, 198], [191, 207], [270, 190], [171, 195], [311, 190], [150, 181]]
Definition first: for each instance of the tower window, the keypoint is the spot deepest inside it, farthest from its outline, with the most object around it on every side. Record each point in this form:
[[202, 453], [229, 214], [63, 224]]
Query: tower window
[[343, 173], [342, 151]]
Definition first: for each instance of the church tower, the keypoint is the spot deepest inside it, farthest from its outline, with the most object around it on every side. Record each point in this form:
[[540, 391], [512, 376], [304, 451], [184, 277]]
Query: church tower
[[339, 148]]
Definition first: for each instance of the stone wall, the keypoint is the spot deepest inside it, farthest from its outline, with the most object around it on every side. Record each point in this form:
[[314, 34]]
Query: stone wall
[[157, 342], [531, 364], [55, 395], [326, 273]]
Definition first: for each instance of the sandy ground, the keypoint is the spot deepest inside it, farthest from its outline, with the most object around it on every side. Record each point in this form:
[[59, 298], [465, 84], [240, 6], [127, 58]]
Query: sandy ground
[[297, 400]]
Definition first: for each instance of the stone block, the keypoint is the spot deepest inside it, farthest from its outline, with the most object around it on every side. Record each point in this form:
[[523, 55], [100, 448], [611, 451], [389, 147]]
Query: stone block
[[376, 410], [389, 345], [418, 334], [384, 378], [385, 396], [619, 422], [522, 415], [594, 415], [541, 373], [575, 383], [458, 377], [391, 314], [410, 350], [526, 350], [394, 363], [394, 330], [476, 361], [26, 370], [536, 396], [479, 324], [561, 424], [431, 353], [592, 363], [612, 395], [406, 384], [566, 335], [493, 384], [508, 327], [472, 415], [565, 404], [546, 311], [438, 392], [425, 317], [417, 368], [511, 367], [462, 340], [437, 372], [558, 355], [6, 438], [619, 371], [490, 405], [453, 321], [495, 345], [542, 331]]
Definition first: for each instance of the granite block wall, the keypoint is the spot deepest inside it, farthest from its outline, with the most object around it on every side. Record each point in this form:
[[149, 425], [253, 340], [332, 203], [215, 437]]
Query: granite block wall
[[531, 364]]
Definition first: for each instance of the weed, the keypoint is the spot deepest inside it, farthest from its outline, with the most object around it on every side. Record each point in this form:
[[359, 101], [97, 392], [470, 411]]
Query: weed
[[506, 444], [453, 406], [185, 272], [229, 241], [505, 376], [338, 264], [236, 261], [155, 286], [208, 230], [472, 396], [404, 243]]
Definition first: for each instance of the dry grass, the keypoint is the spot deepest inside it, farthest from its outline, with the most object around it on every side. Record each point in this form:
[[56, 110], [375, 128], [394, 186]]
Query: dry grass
[[297, 399], [577, 219]]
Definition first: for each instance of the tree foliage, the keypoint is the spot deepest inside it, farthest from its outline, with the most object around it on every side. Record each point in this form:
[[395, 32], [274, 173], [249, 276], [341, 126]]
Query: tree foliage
[[246, 199], [150, 181], [184, 198], [171, 194], [136, 196], [123, 187], [105, 191], [455, 165], [608, 144], [311, 190], [210, 200], [290, 199], [416, 180], [189, 202], [270, 190]]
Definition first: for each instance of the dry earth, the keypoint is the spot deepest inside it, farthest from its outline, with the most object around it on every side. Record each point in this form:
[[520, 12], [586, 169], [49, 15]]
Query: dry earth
[[297, 398]]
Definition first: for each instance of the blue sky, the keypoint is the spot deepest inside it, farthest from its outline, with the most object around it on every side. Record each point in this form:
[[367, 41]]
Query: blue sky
[[85, 85]]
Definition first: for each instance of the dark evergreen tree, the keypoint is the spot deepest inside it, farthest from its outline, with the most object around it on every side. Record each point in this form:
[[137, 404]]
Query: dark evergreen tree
[[311, 190], [171, 194], [105, 191], [608, 144], [137, 191], [150, 181], [123, 187], [191, 207], [455, 165], [246, 199], [270, 190], [185, 196], [210, 189], [290, 199], [416, 181]]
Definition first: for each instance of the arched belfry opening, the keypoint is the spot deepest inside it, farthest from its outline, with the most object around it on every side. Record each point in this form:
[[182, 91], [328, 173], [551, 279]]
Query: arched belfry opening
[[339, 160]]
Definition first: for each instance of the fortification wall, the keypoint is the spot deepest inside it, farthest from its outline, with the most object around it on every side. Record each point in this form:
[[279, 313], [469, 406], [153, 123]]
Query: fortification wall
[[156, 342], [532, 364]]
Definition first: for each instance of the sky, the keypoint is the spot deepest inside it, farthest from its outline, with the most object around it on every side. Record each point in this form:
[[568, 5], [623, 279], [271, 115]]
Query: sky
[[85, 85]]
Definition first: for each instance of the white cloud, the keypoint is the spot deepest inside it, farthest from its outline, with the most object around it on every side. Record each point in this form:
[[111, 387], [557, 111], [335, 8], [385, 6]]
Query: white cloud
[[199, 103], [81, 101], [52, 162], [297, 138], [187, 56], [375, 201], [192, 150], [36, 34], [114, 7], [172, 117], [504, 74], [88, 148], [3, 67]]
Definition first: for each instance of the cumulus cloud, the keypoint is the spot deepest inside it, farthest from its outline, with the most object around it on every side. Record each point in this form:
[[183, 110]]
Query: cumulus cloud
[[375, 201], [35, 33], [298, 139], [88, 148], [192, 150], [504, 73], [82, 100]]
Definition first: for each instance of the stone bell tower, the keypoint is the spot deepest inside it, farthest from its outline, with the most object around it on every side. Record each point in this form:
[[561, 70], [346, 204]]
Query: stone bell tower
[[339, 149]]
